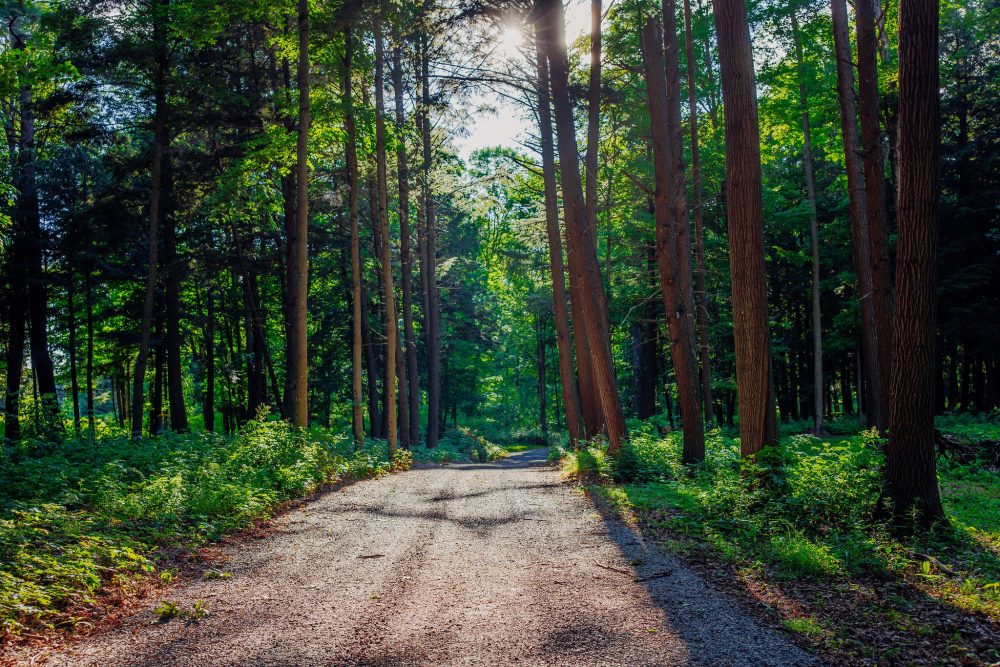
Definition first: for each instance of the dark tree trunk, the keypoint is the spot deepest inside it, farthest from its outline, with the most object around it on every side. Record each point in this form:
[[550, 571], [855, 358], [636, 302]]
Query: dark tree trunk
[[875, 374], [74, 378], [746, 228], [208, 331], [699, 219], [874, 169], [564, 343], [910, 465], [432, 314], [357, 316], [406, 263], [297, 280], [90, 354], [172, 314], [372, 368], [385, 258], [160, 140]]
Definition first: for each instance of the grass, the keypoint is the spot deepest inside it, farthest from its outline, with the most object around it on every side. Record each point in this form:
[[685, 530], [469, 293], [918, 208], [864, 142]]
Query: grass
[[806, 543]]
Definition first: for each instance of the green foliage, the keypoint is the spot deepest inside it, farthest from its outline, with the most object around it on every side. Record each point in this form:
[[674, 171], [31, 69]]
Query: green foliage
[[74, 520], [819, 524], [459, 445]]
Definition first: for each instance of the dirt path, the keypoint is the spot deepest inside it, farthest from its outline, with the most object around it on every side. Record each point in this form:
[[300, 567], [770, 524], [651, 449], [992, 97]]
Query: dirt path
[[496, 564]]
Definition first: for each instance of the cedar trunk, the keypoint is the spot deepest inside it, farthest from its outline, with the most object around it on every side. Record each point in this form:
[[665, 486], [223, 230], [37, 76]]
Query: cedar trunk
[[672, 244], [701, 293], [758, 425], [571, 399], [583, 261]]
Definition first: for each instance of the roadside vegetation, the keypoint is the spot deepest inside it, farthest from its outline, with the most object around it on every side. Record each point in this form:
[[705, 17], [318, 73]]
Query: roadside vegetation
[[799, 542], [83, 519]]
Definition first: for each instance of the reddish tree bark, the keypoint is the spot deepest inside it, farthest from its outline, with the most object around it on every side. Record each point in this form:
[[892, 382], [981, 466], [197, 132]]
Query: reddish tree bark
[[701, 293], [663, 99], [758, 424], [582, 260], [571, 400]]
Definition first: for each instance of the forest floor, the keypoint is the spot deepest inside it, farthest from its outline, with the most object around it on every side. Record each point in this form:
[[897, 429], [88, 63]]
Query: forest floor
[[462, 564]]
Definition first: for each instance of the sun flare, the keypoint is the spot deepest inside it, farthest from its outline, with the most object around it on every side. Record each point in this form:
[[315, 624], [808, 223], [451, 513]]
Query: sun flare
[[511, 42]]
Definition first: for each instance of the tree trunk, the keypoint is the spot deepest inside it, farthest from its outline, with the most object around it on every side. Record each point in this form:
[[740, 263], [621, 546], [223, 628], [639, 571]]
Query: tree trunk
[[746, 229], [371, 366], [208, 404], [874, 170], [406, 262], [593, 118], [160, 67], [564, 342], [296, 378], [699, 228], [433, 313], [807, 166], [583, 261], [389, 292], [672, 244], [172, 310], [860, 232], [90, 355], [357, 317], [74, 378], [910, 466]]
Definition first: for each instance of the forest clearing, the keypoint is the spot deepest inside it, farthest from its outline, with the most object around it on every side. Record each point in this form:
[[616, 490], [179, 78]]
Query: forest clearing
[[487, 332]]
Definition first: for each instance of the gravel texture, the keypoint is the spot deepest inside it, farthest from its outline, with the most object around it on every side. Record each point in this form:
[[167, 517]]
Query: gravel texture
[[476, 564]]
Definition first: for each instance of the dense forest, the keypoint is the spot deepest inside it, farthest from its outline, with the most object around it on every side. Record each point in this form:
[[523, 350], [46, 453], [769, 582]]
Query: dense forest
[[726, 223]]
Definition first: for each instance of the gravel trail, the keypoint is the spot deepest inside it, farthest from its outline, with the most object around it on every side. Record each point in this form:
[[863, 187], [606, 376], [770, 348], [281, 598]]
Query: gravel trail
[[476, 564]]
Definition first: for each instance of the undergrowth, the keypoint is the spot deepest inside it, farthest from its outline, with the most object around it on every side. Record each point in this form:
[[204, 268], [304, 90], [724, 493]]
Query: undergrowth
[[80, 516], [816, 526]]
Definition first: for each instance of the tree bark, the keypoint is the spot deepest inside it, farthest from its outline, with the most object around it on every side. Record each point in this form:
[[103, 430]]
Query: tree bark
[[663, 99], [405, 259], [160, 67], [701, 293], [74, 377], [357, 317], [391, 334], [758, 424], [172, 309], [90, 354], [910, 465], [807, 167], [564, 342], [208, 404], [874, 170], [296, 378], [433, 313], [860, 232], [583, 261]]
